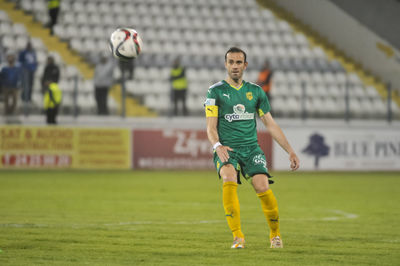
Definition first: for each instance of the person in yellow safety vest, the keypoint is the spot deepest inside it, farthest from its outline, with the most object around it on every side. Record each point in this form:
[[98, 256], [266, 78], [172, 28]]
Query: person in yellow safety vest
[[51, 102], [179, 86], [54, 8]]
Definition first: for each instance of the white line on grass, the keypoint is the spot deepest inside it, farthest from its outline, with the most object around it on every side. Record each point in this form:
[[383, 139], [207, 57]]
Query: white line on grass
[[340, 215], [166, 222]]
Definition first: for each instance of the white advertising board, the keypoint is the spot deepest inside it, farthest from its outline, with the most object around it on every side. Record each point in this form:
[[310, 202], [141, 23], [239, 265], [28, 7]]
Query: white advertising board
[[329, 148]]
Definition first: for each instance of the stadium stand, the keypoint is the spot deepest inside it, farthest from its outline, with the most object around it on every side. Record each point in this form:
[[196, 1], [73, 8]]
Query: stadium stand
[[200, 32]]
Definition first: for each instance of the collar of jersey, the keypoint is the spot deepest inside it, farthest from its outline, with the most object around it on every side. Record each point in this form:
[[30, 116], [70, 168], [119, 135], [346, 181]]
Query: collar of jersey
[[241, 85]]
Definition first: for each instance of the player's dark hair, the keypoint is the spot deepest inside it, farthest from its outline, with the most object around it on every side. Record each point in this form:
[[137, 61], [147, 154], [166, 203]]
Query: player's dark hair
[[236, 50]]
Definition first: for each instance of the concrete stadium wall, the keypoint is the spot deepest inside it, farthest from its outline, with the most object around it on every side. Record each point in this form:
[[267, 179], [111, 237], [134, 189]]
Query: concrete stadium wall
[[350, 36]]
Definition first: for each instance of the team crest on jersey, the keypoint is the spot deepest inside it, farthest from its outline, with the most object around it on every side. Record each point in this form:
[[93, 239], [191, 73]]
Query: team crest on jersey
[[249, 95], [239, 114]]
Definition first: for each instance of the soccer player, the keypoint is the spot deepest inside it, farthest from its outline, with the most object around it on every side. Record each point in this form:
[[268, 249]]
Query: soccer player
[[231, 107]]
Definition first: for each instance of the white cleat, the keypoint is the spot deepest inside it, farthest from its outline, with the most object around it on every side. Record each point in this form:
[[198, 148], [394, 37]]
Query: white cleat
[[276, 242], [238, 243]]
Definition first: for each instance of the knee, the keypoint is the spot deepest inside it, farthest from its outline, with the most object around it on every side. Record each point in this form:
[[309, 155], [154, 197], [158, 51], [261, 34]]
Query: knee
[[260, 183], [228, 173], [261, 188], [229, 178]]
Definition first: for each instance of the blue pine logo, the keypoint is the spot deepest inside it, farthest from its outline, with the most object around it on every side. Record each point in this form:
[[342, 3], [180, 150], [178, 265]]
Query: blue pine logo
[[316, 148]]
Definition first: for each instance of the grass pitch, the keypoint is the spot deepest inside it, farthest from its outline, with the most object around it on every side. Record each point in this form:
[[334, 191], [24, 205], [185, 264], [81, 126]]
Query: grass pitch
[[177, 218]]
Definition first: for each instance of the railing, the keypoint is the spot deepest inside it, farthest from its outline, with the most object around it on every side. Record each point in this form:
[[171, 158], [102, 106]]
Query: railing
[[74, 109]]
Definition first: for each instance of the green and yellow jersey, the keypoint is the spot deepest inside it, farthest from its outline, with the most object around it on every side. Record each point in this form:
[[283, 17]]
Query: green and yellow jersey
[[236, 109]]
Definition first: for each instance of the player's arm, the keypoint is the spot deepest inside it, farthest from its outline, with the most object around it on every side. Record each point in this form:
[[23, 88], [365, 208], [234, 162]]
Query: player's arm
[[212, 134], [278, 135]]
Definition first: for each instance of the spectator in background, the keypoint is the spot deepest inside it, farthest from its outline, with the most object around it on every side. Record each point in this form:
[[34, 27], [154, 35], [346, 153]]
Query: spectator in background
[[51, 101], [103, 80], [264, 79], [51, 73], [10, 80], [2, 53], [127, 68], [2, 59], [179, 86], [28, 61], [54, 8]]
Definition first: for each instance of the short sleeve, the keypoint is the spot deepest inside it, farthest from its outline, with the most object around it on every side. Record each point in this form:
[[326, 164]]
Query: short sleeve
[[211, 105], [263, 106]]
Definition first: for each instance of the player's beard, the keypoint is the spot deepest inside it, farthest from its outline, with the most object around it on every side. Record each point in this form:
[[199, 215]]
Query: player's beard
[[236, 76]]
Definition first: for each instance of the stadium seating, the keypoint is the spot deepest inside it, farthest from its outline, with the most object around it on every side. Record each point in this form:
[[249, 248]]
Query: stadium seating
[[15, 37], [200, 32]]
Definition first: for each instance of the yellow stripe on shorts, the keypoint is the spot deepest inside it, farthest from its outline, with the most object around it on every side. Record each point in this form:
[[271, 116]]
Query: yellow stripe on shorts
[[211, 111]]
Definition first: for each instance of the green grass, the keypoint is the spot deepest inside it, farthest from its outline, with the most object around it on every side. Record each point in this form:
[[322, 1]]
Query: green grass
[[176, 218]]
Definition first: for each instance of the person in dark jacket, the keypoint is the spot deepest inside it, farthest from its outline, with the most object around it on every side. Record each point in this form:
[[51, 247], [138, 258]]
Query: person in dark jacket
[[51, 73], [10, 80], [54, 9], [28, 61]]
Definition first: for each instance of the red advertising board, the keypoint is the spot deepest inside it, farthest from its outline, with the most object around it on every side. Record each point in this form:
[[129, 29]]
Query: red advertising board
[[179, 149]]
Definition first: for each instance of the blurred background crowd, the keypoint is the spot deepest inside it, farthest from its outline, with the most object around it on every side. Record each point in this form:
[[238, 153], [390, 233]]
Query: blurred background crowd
[[55, 60]]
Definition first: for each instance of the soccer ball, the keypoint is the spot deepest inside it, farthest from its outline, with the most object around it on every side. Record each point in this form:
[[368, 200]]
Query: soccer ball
[[125, 44]]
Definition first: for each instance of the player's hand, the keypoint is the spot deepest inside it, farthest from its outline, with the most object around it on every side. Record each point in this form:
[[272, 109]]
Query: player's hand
[[222, 152], [294, 161]]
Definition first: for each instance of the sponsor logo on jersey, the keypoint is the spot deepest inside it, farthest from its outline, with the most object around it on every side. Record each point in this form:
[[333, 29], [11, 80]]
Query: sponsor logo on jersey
[[239, 114], [239, 109]]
